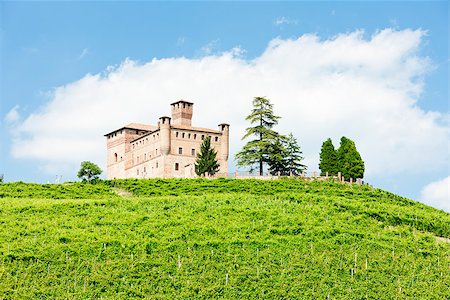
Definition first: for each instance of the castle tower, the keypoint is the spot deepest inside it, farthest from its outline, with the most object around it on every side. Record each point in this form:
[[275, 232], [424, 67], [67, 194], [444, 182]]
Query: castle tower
[[182, 113], [164, 126], [225, 128]]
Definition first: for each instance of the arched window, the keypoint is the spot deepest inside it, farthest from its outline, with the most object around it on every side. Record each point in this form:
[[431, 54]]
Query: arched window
[[177, 166], [115, 157]]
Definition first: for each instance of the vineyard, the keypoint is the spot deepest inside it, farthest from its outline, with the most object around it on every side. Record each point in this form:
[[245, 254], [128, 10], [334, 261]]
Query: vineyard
[[221, 238]]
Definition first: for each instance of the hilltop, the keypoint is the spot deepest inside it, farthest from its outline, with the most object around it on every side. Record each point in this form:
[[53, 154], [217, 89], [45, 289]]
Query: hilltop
[[222, 238]]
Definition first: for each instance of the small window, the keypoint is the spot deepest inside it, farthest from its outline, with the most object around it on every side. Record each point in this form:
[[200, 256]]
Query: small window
[[182, 135], [138, 171], [156, 152], [121, 158], [203, 137], [144, 169], [195, 136], [137, 132], [157, 165], [216, 139], [193, 152], [115, 157], [176, 134], [177, 166], [189, 135], [180, 150], [145, 156]]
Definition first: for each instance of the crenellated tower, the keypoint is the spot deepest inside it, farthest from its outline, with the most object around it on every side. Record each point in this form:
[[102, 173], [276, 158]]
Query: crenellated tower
[[182, 113]]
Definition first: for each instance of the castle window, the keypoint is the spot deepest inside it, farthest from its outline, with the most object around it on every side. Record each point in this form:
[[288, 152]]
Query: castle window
[[115, 157], [203, 137], [145, 156], [176, 134], [182, 135], [157, 165], [121, 158], [180, 150], [137, 131], [137, 171], [144, 169], [216, 139], [193, 152], [189, 135], [156, 152], [177, 166]]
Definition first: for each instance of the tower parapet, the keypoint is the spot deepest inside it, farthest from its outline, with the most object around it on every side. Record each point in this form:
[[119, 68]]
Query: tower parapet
[[182, 113]]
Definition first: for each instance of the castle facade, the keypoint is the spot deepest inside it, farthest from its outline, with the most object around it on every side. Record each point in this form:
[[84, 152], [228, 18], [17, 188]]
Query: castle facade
[[166, 150]]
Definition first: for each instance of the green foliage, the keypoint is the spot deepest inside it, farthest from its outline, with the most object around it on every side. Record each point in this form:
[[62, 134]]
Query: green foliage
[[349, 160], [328, 159], [223, 238], [346, 159], [75, 190], [257, 151], [286, 156], [206, 162], [89, 172]]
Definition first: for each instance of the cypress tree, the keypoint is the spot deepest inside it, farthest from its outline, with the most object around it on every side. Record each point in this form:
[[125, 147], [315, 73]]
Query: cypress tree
[[328, 159], [206, 162], [350, 163]]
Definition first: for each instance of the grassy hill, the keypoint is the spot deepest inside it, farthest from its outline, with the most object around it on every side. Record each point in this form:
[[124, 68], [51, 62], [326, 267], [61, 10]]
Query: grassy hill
[[224, 238]]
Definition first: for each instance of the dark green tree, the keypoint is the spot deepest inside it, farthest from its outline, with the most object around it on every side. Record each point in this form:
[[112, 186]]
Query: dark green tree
[[293, 156], [257, 151], [328, 159], [277, 157], [286, 157], [206, 162], [349, 161], [89, 172]]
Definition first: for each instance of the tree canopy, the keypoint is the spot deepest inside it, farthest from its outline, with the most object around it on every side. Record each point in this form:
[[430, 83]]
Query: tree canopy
[[328, 159], [89, 171], [206, 162], [346, 159], [349, 160], [286, 157]]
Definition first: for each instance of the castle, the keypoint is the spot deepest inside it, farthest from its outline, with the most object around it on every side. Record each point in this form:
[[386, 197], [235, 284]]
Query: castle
[[166, 150]]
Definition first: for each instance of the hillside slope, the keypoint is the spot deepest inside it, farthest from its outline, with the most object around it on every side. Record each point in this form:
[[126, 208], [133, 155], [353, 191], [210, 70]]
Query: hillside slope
[[222, 238]]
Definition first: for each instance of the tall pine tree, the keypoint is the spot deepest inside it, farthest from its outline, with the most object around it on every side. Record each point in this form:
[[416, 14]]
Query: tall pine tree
[[286, 157], [206, 162], [328, 159], [350, 163], [257, 151]]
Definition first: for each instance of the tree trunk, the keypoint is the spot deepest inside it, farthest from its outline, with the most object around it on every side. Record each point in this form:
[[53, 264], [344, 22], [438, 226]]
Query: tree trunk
[[260, 159]]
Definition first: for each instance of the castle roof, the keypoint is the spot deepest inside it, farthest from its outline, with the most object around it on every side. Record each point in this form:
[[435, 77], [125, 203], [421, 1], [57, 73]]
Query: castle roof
[[137, 126], [181, 101]]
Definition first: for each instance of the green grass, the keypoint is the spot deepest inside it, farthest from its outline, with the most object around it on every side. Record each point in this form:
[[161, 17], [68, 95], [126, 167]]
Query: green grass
[[225, 238]]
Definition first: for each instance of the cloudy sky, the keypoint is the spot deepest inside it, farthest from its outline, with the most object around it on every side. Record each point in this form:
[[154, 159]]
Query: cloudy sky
[[374, 72]]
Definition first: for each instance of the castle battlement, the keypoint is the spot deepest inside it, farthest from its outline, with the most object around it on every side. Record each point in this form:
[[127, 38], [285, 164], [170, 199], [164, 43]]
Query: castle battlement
[[166, 150]]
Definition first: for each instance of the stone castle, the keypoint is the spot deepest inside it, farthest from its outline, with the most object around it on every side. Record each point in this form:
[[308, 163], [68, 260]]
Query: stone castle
[[166, 150]]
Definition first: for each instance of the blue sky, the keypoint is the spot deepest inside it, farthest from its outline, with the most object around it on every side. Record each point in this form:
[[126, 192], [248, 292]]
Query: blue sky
[[46, 45]]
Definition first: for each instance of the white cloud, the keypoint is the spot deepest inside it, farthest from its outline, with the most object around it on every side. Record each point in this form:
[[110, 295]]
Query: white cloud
[[83, 53], [365, 89], [13, 115], [284, 21], [210, 48], [437, 194]]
